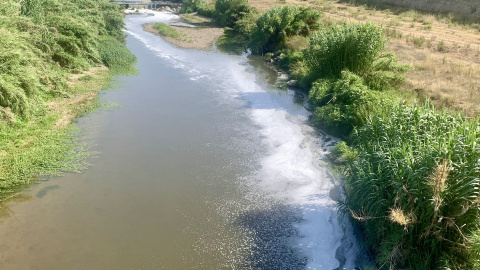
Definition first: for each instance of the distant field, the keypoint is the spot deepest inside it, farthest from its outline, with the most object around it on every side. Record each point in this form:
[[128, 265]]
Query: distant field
[[444, 54], [469, 8]]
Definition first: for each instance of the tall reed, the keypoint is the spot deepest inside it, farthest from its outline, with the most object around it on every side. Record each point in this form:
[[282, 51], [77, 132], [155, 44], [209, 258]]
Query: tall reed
[[358, 48], [414, 188]]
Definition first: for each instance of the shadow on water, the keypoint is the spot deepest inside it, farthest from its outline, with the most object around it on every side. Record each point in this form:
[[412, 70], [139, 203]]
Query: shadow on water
[[45, 190], [273, 234]]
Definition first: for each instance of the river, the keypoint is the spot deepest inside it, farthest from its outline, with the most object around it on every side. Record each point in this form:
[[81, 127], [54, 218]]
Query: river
[[205, 165]]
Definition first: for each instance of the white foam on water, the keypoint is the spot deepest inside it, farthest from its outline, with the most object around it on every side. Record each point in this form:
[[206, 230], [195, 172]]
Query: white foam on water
[[290, 171]]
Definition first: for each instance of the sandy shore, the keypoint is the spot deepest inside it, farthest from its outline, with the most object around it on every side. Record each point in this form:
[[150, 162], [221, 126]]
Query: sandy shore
[[200, 38]]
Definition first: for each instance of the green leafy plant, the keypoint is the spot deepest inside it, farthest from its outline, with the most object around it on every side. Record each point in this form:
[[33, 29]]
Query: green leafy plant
[[414, 188], [228, 12], [274, 27], [358, 48], [343, 104]]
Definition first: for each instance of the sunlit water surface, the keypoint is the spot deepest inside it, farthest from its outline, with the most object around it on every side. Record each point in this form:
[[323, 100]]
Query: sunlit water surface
[[206, 165]]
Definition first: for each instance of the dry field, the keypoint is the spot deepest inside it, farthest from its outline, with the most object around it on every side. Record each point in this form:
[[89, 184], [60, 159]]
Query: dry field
[[444, 55]]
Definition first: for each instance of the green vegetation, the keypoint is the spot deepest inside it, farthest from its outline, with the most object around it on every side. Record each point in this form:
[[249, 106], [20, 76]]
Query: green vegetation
[[414, 188], [193, 19], [200, 6], [43, 42], [276, 26], [342, 104], [229, 12], [358, 48], [40, 150], [412, 174], [166, 30]]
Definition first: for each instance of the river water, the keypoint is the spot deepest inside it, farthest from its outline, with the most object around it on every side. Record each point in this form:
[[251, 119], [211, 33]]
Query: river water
[[206, 165]]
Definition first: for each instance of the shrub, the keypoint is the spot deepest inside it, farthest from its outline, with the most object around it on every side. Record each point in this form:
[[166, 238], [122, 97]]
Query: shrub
[[228, 12], [357, 48], [201, 7], [275, 26], [343, 104], [442, 47], [349, 46], [414, 188]]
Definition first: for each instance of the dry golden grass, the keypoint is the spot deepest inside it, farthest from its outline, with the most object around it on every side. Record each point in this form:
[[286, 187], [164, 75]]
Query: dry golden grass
[[399, 217], [445, 56]]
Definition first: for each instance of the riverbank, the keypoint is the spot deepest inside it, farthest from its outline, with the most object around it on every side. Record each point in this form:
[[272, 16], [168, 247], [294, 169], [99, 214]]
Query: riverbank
[[47, 144], [443, 50], [407, 184], [53, 65], [200, 37]]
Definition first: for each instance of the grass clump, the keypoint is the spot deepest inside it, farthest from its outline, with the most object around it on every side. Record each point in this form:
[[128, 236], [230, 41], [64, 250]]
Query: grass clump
[[358, 48], [116, 56], [166, 30], [414, 187]]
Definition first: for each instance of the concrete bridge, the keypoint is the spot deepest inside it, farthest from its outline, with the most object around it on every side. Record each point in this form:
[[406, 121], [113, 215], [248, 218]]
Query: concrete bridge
[[146, 4]]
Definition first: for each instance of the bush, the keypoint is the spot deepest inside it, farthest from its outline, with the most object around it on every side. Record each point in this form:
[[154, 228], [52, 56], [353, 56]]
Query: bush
[[275, 26], [414, 188], [199, 6], [357, 48], [228, 12], [343, 104]]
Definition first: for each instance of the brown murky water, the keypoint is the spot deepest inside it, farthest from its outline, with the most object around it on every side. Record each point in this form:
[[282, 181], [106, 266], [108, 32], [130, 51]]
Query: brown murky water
[[194, 171]]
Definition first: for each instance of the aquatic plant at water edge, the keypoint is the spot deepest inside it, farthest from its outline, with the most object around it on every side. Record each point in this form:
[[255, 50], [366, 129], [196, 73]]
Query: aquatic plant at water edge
[[116, 56], [342, 104], [414, 188]]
